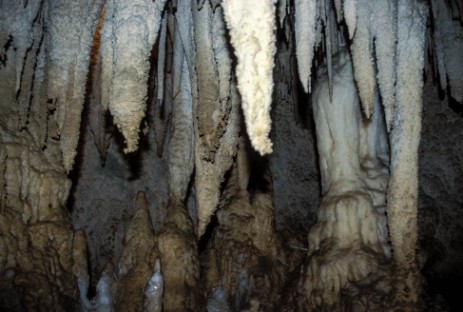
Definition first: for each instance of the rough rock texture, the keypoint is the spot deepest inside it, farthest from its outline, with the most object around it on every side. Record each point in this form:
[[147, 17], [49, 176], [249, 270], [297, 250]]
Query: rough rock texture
[[101, 196], [137, 262], [35, 232], [181, 93], [245, 257], [294, 167], [178, 254], [440, 174]]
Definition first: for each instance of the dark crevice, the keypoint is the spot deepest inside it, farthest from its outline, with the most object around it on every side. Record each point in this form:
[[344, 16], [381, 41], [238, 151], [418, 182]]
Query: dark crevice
[[6, 47]]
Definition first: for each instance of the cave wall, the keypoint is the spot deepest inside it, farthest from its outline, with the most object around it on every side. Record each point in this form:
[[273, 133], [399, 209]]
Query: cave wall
[[439, 205]]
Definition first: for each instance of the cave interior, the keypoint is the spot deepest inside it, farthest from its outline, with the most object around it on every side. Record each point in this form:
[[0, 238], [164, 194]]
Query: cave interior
[[231, 155]]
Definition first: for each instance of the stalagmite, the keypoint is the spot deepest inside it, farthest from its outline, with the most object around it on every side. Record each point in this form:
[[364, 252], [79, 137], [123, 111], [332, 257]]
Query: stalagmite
[[80, 266], [178, 254], [218, 301], [245, 257], [405, 138], [135, 27], [252, 35], [137, 259], [103, 301], [305, 20], [349, 241], [154, 290], [68, 67]]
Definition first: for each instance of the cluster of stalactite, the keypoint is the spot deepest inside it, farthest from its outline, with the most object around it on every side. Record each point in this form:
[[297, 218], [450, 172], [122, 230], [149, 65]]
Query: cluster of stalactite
[[194, 64]]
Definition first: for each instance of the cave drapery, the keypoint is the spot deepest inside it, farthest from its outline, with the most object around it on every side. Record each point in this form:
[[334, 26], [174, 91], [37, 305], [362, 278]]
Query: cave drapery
[[224, 155]]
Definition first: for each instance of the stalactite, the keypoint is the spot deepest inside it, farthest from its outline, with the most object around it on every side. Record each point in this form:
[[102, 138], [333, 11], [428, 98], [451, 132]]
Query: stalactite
[[330, 33], [405, 138], [439, 59], [350, 16], [283, 8], [211, 173], [163, 106], [106, 53], [217, 126], [161, 60], [384, 26], [339, 11], [135, 25], [210, 111], [67, 71], [100, 128], [39, 106], [362, 58], [305, 23], [185, 26], [181, 153], [252, 35]]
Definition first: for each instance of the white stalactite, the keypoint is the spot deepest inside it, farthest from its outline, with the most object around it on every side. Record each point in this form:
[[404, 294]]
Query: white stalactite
[[135, 27], [306, 21], [362, 58], [405, 138], [252, 35], [350, 16], [384, 24], [70, 33]]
